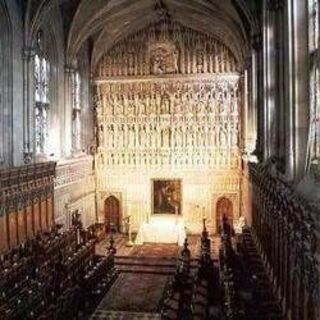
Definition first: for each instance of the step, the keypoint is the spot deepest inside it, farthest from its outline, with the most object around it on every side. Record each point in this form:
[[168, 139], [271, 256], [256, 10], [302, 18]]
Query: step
[[145, 261]]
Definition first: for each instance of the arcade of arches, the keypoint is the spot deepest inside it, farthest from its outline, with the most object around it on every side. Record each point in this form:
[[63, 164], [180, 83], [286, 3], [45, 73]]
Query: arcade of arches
[[181, 135]]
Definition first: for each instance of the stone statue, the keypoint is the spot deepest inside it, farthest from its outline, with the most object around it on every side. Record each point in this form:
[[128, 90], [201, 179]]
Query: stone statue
[[101, 135]]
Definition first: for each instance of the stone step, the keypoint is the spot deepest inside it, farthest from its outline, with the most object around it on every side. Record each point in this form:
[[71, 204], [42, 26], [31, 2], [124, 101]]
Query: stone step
[[166, 266], [151, 260], [144, 261], [124, 315], [150, 270]]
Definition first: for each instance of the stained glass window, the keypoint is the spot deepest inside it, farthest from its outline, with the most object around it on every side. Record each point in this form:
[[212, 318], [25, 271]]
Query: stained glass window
[[42, 101]]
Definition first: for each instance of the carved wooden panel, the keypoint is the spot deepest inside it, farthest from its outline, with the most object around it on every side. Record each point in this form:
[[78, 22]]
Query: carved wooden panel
[[24, 192], [21, 224], [13, 232], [3, 233], [44, 215], [50, 211], [287, 229], [29, 221], [36, 217]]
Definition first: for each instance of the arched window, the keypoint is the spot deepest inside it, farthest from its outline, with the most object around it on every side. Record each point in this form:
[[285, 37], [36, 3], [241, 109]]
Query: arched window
[[314, 83], [76, 111], [42, 101]]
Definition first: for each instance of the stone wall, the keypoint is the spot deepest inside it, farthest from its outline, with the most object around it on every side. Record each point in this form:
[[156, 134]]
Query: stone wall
[[75, 190], [201, 191]]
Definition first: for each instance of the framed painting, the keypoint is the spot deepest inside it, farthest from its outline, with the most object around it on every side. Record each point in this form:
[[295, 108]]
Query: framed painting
[[167, 196]]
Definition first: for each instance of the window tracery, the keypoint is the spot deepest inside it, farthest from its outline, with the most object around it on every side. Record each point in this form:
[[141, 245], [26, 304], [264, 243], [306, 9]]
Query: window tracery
[[42, 100]]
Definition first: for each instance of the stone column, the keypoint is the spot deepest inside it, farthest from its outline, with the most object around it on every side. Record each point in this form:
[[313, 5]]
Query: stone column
[[268, 78], [300, 129], [297, 88], [28, 107], [272, 106], [280, 70], [247, 119], [67, 131], [289, 91], [257, 96]]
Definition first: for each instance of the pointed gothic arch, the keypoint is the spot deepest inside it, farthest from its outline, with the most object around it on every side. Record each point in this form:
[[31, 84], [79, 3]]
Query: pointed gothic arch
[[112, 214], [224, 209]]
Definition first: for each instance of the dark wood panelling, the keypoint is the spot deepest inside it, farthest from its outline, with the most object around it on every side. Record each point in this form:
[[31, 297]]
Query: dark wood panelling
[[26, 202]]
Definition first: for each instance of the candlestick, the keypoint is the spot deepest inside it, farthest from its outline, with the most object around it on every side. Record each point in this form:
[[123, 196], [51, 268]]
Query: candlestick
[[203, 212]]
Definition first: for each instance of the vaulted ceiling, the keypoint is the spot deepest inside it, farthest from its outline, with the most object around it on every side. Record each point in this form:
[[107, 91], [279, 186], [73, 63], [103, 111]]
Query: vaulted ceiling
[[109, 21]]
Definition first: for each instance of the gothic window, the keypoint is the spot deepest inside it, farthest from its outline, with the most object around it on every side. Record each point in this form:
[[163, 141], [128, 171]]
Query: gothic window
[[76, 111], [314, 82], [42, 102]]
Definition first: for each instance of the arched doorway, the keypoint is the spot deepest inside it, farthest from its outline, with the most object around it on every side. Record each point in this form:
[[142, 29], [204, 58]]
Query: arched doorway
[[224, 208], [112, 214]]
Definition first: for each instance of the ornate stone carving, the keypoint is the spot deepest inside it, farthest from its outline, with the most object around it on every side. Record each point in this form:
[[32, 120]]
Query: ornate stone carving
[[163, 57], [73, 172], [165, 48], [168, 104], [143, 121]]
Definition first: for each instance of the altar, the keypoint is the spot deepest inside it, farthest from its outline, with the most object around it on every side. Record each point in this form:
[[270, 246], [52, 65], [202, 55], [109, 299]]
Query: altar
[[162, 229]]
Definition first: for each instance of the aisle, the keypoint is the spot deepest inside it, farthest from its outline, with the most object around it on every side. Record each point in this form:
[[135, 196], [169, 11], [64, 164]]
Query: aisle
[[135, 292], [144, 272]]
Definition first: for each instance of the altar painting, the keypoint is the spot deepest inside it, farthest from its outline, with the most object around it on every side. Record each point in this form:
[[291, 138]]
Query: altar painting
[[167, 196]]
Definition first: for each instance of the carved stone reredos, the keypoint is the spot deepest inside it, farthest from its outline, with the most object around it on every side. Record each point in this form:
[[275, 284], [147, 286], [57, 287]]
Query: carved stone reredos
[[163, 57], [165, 48]]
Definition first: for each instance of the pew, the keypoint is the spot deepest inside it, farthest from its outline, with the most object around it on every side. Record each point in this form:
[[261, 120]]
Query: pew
[[50, 276]]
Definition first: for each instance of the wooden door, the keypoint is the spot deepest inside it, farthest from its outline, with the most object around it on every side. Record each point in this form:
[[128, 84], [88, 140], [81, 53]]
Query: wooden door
[[112, 214], [224, 209]]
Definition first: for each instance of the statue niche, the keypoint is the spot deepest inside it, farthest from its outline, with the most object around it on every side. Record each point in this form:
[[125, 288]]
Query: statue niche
[[163, 57]]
